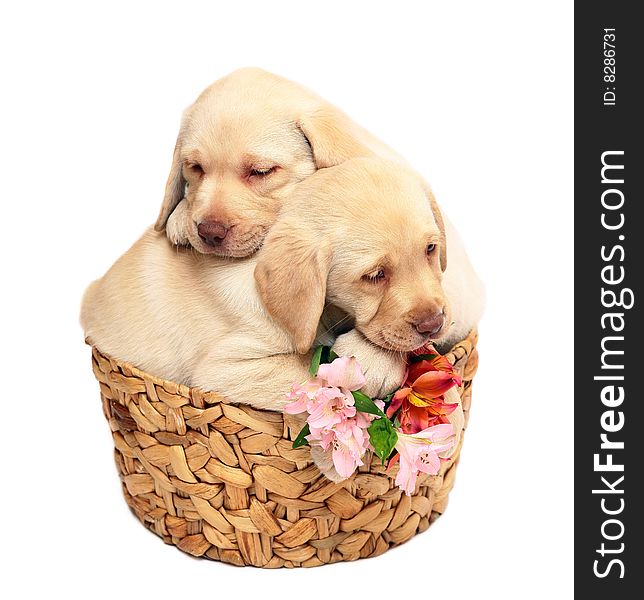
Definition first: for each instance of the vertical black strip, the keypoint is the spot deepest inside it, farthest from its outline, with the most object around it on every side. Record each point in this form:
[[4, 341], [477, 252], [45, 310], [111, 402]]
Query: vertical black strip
[[609, 260]]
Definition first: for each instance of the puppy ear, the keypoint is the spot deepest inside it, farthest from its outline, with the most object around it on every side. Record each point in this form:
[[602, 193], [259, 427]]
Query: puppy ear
[[174, 188], [332, 138], [438, 217], [291, 274]]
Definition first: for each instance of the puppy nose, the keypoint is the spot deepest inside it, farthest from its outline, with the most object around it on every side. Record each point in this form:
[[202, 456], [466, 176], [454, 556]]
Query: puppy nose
[[212, 232], [431, 324]]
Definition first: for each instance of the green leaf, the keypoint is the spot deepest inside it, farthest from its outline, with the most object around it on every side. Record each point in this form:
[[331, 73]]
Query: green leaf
[[315, 361], [418, 358], [321, 355], [332, 356], [383, 438], [365, 404], [301, 440]]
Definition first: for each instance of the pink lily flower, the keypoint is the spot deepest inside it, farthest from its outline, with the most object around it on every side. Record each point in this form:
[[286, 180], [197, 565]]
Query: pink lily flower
[[419, 453], [334, 423], [347, 442], [349, 445], [331, 406], [302, 396], [343, 376]]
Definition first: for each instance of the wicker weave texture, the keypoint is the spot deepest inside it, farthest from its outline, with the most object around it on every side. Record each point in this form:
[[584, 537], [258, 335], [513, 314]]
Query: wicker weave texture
[[222, 481]]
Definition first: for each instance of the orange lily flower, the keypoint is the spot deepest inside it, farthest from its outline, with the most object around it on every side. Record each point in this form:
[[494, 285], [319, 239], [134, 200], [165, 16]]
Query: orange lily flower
[[421, 401]]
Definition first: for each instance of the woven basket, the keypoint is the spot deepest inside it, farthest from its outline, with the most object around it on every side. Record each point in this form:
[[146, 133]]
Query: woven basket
[[222, 481]]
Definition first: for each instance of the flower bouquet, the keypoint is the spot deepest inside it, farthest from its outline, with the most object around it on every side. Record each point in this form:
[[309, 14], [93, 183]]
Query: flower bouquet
[[417, 426]]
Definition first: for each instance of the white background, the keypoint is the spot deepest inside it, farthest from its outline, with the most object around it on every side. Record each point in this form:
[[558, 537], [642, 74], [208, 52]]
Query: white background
[[477, 95]]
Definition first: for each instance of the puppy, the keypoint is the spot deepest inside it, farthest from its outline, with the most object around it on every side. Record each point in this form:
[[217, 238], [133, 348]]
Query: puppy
[[244, 328], [242, 146]]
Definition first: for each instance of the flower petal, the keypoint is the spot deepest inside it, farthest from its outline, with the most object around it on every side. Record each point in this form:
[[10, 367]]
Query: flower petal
[[440, 408], [297, 406], [440, 363], [436, 433], [434, 384], [343, 461], [397, 400], [417, 401], [414, 419], [430, 463], [419, 368], [343, 372], [407, 475], [393, 460]]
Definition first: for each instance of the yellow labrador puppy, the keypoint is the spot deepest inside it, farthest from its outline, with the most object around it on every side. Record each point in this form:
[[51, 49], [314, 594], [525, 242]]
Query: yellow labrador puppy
[[242, 147], [244, 328]]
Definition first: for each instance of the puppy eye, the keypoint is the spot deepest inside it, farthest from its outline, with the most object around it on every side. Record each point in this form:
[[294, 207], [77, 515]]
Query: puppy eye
[[261, 172], [375, 276], [195, 168], [431, 248]]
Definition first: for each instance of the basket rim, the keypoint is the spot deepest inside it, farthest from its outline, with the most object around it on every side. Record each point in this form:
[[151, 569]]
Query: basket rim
[[210, 397]]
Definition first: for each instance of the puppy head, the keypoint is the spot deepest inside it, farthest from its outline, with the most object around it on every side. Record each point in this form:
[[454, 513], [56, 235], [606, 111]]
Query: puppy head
[[367, 237], [242, 146]]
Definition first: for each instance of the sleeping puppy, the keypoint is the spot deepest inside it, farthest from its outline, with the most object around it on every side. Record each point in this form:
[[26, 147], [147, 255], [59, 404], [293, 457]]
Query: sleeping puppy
[[244, 328], [242, 146]]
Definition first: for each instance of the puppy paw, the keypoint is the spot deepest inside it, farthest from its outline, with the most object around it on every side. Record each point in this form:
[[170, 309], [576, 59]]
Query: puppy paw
[[324, 462], [176, 228], [384, 370]]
